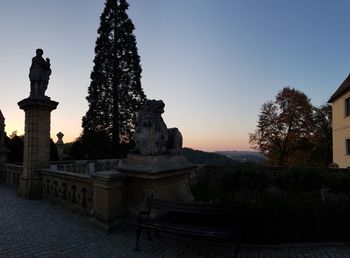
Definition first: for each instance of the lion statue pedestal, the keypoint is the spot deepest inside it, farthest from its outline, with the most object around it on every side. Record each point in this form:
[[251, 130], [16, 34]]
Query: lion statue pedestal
[[155, 167]]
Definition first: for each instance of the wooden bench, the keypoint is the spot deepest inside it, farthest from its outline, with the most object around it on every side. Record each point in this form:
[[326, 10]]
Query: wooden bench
[[203, 220]]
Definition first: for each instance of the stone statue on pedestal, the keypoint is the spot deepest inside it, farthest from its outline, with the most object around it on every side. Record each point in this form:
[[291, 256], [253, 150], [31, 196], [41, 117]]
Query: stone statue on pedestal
[[3, 150], [155, 167], [39, 75], [2, 130], [60, 145], [152, 137], [37, 108], [60, 138]]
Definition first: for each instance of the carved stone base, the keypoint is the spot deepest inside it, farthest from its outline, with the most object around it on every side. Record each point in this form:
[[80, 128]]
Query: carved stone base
[[163, 177], [29, 188], [108, 199]]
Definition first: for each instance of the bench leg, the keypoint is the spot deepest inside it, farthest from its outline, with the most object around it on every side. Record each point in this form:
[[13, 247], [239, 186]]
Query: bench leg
[[148, 235], [138, 233], [237, 246], [157, 233]]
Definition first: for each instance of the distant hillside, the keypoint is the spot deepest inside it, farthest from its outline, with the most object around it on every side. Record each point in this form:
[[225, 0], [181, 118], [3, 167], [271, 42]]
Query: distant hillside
[[244, 156], [201, 157]]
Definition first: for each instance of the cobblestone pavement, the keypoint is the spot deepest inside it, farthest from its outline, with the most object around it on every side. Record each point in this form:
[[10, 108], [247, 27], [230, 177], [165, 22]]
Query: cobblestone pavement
[[38, 228]]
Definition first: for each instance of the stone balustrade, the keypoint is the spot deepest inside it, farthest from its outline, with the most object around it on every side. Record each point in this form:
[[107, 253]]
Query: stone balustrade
[[10, 173], [87, 167], [70, 189], [107, 190], [74, 166], [106, 164], [99, 195]]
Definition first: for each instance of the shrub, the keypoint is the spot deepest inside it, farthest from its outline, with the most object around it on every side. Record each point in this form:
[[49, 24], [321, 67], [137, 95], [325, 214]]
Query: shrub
[[282, 206], [339, 182], [301, 179]]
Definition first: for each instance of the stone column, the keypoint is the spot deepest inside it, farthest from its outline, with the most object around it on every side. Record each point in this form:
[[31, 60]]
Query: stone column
[[36, 143]]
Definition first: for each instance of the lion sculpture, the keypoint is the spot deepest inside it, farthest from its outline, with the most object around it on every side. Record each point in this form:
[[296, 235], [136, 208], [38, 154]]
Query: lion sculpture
[[152, 137]]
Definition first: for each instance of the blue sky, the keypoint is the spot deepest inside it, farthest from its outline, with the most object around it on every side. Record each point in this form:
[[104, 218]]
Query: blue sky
[[213, 63]]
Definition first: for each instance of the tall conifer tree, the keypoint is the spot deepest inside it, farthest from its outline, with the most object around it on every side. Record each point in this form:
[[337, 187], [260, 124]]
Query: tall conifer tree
[[115, 93]]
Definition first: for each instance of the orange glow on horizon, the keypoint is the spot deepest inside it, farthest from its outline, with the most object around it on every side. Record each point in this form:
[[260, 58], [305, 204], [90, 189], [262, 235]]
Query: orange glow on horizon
[[217, 144], [212, 148], [205, 141]]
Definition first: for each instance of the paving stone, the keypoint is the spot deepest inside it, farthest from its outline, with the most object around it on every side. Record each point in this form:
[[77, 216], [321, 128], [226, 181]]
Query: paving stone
[[38, 228]]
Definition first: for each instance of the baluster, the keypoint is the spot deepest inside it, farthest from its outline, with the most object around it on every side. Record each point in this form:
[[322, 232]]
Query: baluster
[[64, 191], [74, 190], [17, 179], [83, 198], [55, 188], [48, 186], [89, 197]]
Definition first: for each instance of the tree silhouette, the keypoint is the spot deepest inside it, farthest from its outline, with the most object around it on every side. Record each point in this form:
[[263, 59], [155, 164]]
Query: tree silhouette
[[322, 141], [285, 127], [16, 146], [115, 93]]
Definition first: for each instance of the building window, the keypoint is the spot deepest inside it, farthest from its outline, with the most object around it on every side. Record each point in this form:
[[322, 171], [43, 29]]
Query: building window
[[347, 106], [347, 142]]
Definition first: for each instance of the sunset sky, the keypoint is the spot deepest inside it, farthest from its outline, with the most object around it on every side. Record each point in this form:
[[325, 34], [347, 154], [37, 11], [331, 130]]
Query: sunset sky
[[213, 63]]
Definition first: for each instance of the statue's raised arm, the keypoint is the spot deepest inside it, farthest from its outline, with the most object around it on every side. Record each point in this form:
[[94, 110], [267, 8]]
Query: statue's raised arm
[[39, 74]]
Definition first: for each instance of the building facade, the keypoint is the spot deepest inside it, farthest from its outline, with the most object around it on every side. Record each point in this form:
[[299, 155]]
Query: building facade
[[340, 101]]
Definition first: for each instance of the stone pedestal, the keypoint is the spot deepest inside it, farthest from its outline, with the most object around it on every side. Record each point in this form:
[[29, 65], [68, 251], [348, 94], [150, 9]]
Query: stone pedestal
[[164, 177], [36, 143], [109, 196]]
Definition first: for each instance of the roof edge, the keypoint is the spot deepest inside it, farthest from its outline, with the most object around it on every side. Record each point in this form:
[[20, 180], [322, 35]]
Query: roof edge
[[345, 86]]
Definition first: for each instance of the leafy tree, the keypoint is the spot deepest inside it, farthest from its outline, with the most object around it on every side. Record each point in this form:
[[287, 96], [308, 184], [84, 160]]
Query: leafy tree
[[53, 151], [15, 145], [77, 151], [284, 127], [322, 141], [115, 93]]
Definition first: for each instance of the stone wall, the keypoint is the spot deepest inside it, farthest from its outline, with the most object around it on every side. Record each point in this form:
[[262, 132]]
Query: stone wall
[[104, 192], [270, 169], [72, 190], [10, 173], [85, 166]]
